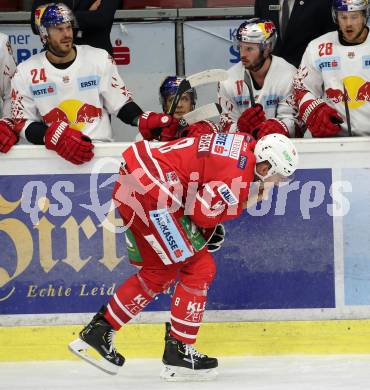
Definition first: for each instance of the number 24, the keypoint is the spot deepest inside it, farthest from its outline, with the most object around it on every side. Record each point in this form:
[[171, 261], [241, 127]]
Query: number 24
[[36, 77]]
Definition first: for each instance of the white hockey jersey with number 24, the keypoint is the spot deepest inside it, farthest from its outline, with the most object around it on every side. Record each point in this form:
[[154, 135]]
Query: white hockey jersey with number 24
[[82, 95]]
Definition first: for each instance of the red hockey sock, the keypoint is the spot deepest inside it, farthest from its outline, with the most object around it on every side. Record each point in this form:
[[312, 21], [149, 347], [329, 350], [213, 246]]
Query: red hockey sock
[[129, 300], [187, 310]]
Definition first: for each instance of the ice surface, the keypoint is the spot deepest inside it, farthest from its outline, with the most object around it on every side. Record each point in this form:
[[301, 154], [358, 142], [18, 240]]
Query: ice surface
[[256, 373]]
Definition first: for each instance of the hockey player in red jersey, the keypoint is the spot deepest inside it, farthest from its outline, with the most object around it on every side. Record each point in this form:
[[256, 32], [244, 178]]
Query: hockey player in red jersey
[[171, 198]]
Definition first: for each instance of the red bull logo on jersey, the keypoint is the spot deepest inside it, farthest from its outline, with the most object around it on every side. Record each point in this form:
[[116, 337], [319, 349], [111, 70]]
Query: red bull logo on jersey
[[328, 64], [90, 82], [363, 93], [76, 113], [358, 92], [43, 90], [335, 95]]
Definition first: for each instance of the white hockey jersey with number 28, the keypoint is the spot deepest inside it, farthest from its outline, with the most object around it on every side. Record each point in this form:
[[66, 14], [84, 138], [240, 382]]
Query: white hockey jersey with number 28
[[326, 66]]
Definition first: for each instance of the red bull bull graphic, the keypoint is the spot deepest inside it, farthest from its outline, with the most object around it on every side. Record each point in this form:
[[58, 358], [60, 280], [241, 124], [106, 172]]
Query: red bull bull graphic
[[358, 92], [269, 27], [363, 93], [88, 113], [55, 115], [335, 95], [74, 112]]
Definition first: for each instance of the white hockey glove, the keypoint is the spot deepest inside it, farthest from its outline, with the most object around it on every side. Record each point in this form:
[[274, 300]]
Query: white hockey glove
[[217, 238]]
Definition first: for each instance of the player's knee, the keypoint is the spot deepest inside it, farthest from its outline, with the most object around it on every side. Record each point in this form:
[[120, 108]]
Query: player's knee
[[201, 273], [209, 271], [157, 280]]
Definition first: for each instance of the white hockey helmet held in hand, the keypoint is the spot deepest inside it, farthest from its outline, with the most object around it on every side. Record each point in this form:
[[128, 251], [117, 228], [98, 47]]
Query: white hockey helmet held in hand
[[280, 152], [257, 30], [349, 6]]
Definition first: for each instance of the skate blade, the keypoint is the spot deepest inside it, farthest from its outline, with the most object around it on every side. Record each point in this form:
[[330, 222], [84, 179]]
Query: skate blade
[[80, 349], [182, 374]]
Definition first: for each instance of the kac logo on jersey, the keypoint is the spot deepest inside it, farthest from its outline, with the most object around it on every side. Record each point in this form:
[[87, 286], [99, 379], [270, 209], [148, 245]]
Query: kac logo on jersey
[[366, 62], [43, 90], [227, 195], [89, 82], [328, 64]]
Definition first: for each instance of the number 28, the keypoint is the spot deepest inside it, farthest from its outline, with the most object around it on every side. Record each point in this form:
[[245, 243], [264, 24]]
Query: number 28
[[325, 49]]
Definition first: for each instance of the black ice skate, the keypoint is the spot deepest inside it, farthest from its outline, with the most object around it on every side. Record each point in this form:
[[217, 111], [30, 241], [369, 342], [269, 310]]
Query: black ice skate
[[98, 334], [183, 362]]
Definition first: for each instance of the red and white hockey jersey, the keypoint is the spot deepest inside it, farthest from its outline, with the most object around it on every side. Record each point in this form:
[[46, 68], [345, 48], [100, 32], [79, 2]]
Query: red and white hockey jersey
[[7, 69], [82, 95], [208, 177], [234, 97], [327, 66]]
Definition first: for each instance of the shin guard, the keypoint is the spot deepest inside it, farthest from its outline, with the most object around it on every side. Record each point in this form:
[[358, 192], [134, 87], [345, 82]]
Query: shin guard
[[129, 300], [188, 305]]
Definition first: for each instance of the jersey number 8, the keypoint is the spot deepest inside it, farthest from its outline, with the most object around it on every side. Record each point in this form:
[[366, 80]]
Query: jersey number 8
[[183, 143]]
